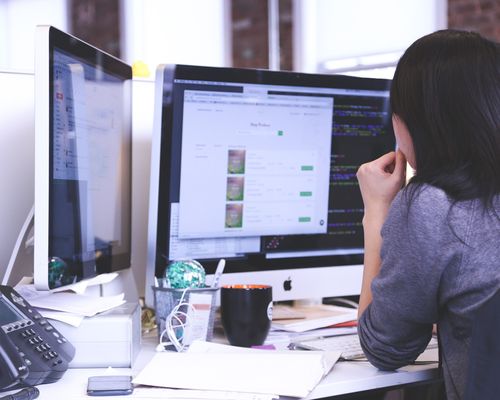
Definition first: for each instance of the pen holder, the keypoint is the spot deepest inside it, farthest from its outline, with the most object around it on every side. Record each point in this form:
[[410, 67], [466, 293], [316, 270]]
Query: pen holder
[[198, 317]]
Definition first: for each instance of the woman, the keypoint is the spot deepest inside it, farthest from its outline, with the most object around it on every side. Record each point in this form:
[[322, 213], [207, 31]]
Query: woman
[[432, 249]]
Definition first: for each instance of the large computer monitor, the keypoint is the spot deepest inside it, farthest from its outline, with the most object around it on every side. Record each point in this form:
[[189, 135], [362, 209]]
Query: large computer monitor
[[259, 168], [82, 160]]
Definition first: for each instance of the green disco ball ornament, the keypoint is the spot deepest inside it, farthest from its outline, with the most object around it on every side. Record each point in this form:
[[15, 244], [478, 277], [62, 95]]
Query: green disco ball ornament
[[58, 272], [185, 274]]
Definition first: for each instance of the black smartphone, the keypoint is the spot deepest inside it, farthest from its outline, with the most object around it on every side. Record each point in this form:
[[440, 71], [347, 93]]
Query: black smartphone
[[109, 385]]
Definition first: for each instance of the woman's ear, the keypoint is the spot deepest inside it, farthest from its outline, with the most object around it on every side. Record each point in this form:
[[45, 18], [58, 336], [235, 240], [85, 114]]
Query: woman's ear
[[404, 140]]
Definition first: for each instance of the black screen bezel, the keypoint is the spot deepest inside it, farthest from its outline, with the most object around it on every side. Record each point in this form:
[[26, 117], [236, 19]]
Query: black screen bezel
[[237, 75]]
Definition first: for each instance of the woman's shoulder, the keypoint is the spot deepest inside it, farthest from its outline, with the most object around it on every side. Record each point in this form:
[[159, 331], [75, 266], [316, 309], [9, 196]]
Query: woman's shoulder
[[427, 208], [423, 202]]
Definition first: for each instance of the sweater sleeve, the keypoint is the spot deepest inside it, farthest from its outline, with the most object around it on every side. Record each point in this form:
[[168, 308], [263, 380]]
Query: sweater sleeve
[[397, 326]]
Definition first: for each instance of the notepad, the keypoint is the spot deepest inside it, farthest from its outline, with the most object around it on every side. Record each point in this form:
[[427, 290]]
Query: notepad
[[210, 366]]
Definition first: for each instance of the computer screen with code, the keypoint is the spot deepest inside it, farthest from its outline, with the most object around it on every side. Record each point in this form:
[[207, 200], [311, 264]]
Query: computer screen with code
[[259, 167]]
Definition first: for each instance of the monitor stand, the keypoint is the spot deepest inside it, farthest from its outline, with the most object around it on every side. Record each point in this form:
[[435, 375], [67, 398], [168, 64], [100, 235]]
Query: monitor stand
[[21, 265], [21, 260]]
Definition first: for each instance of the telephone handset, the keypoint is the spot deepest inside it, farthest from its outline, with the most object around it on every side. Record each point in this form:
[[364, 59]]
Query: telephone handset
[[32, 351]]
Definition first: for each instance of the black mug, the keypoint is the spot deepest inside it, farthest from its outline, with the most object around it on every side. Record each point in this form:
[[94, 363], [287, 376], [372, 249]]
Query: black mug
[[246, 312]]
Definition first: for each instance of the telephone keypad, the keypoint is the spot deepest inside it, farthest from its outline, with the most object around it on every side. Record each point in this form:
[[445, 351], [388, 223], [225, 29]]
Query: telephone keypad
[[35, 340], [40, 346]]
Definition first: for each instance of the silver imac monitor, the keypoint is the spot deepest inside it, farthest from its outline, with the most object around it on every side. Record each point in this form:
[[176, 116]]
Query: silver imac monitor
[[82, 160], [259, 168]]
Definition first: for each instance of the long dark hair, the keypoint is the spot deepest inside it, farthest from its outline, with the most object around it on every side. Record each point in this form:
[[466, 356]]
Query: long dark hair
[[446, 89]]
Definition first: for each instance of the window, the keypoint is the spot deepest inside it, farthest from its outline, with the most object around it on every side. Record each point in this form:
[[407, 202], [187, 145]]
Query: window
[[361, 37]]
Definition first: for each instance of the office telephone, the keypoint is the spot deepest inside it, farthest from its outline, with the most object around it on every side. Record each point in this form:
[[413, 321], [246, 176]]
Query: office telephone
[[32, 351]]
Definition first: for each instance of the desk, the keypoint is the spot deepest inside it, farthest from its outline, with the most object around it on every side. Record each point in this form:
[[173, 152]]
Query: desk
[[355, 376], [345, 377]]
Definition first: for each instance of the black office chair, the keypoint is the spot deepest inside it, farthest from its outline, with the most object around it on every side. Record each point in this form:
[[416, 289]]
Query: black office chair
[[483, 375]]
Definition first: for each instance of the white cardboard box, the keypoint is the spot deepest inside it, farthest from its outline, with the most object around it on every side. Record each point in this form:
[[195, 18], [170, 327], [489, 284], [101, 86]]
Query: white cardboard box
[[109, 339]]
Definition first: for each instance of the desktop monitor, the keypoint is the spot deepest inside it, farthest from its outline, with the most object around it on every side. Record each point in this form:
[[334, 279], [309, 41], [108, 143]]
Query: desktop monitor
[[82, 160], [259, 168]]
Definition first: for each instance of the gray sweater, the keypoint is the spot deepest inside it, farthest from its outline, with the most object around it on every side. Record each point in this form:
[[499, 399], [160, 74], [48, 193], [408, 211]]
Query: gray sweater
[[439, 264]]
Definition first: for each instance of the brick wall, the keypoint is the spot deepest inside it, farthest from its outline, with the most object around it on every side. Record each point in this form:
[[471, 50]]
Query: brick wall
[[97, 22], [250, 33], [482, 16], [286, 35]]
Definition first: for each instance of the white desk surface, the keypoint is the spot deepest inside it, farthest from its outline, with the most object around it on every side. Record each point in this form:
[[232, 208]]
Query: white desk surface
[[358, 376], [345, 377]]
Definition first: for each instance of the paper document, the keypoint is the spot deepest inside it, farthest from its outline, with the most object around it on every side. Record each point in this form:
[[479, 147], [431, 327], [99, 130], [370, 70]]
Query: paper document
[[210, 366], [27, 289], [68, 318], [87, 306], [318, 316], [81, 287]]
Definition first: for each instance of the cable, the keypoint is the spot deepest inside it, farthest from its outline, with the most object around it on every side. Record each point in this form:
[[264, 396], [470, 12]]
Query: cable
[[176, 322], [28, 393]]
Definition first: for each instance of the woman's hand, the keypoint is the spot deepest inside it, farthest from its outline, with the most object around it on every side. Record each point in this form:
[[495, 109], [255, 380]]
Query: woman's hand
[[380, 181]]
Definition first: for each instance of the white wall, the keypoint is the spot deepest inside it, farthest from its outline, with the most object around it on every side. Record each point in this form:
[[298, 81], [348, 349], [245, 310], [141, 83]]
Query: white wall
[[155, 31], [17, 164], [18, 19], [142, 127]]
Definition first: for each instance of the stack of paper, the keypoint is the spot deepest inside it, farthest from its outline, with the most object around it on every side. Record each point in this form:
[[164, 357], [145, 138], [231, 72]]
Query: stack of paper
[[314, 317], [80, 304], [69, 304], [282, 339], [210, 366]]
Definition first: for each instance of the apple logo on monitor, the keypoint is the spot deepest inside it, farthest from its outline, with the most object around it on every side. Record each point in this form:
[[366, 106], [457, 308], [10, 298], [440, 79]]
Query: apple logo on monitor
[[287, 284]]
